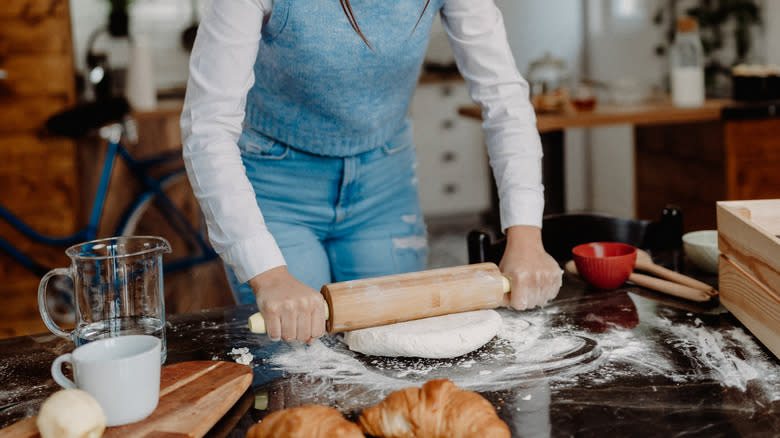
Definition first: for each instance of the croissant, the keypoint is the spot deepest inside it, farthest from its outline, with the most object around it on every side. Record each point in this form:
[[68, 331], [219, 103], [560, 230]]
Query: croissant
[[313, 421], [437, 410]]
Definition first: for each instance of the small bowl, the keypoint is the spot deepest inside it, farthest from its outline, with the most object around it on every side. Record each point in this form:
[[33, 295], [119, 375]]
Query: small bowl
[[701, 249], [605, 265]]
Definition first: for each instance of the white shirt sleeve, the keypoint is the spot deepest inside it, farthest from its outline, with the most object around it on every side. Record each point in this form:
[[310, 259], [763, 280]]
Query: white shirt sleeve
[[475, 29], [221, 73]]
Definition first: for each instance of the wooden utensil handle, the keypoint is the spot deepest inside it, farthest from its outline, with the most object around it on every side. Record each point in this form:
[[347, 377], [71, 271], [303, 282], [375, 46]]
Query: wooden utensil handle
[[669, 287], [257, 322], [657, 284], [677, 277], [26, 428]]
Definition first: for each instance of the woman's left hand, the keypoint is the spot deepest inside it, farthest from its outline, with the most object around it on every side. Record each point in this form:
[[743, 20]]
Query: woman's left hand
[[535, 276]]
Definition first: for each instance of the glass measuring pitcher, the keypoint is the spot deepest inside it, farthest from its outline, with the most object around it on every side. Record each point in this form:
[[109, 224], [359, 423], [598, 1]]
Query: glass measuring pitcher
[[117, 289]]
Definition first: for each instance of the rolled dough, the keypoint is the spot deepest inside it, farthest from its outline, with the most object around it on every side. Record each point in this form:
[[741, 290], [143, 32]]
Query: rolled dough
[[437, 337]]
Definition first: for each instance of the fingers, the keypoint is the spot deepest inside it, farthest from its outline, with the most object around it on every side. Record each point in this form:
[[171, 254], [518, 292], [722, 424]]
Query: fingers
[[295, 320], [534, 288], [318, 321], [303, 332], [273, 326], [289, 323], [292, 310]]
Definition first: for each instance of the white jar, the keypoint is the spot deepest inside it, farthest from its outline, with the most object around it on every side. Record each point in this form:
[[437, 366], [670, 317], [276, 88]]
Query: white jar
[[686, 60]]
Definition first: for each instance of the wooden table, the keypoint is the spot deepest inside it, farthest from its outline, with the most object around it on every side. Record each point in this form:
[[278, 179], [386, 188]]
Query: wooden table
[[649, 365], [690, 157]]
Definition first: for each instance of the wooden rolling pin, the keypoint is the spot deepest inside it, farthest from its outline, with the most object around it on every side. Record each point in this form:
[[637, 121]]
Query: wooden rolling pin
[[371, 302], [659, 285]]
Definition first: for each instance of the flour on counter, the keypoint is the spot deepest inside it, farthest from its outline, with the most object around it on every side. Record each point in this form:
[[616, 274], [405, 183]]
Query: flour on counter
[[528, 349], [522, 350]]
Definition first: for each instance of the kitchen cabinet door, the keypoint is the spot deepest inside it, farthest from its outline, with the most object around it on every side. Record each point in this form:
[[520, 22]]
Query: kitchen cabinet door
[[454, 177]]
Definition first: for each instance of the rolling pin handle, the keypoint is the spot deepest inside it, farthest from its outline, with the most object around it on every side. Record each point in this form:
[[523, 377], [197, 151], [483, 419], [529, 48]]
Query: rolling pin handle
[[257, 323], [507, 284]]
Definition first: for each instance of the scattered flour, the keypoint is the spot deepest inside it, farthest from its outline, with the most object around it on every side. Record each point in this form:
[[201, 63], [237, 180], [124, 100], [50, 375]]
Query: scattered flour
[[528, 349], [523, 349]]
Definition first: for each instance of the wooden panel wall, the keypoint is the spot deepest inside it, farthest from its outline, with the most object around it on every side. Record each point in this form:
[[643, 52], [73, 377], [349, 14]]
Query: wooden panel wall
[[38, 181], [696, 165], [753, 157], [680, 164]]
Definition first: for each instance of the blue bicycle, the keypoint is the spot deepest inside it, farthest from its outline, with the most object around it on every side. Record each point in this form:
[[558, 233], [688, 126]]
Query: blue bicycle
[[161, 180]]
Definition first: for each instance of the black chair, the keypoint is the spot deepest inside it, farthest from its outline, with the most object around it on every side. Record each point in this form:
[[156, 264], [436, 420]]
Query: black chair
[[562, 232]]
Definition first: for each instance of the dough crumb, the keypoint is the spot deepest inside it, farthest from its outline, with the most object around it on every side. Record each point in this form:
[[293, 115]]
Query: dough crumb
[[242, 355]]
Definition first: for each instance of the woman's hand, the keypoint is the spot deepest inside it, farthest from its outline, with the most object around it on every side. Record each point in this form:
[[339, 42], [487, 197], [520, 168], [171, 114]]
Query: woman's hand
[[291, 310], [534, 274]]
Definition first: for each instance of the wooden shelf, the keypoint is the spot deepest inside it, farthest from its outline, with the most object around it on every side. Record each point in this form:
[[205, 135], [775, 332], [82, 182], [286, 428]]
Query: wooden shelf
[[641, 114]]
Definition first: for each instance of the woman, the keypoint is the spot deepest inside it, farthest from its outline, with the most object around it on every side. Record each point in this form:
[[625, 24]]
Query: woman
[[299, 148]]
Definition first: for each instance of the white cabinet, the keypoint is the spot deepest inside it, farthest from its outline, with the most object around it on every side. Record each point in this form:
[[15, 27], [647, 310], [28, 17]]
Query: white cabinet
[[452, 160]]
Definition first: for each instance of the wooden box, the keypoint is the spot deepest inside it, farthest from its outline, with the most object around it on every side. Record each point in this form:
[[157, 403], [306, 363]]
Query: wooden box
[[749, 267]]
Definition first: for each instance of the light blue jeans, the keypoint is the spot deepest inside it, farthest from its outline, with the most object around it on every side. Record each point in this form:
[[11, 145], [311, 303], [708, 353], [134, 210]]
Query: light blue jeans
[[337, 218]]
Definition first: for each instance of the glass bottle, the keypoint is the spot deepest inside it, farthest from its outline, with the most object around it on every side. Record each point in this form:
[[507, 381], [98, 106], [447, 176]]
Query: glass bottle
[[687, 64]]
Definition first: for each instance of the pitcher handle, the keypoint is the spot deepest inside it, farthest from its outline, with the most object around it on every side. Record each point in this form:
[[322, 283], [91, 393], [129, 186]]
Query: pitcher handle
[[57, 330]]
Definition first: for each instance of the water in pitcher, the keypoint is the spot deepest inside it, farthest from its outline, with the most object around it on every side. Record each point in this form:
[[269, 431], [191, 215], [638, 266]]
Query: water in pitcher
[[129, 325]]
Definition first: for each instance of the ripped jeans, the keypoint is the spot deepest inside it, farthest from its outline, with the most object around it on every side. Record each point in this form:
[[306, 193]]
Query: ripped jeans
[[337, 218]]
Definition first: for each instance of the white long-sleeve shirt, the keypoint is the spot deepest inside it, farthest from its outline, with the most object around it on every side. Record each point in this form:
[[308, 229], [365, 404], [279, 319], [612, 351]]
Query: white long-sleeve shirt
[[221, 73]]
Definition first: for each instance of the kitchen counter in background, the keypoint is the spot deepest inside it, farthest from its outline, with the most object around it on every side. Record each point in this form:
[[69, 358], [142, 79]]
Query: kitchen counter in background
[[689, 157], [605, 114], [628, 362]]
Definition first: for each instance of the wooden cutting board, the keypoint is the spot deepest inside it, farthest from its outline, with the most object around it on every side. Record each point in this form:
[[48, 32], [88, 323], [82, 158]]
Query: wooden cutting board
[[193, 397]]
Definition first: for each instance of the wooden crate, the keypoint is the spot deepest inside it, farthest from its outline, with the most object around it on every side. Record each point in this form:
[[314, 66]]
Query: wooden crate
[[749, 266]]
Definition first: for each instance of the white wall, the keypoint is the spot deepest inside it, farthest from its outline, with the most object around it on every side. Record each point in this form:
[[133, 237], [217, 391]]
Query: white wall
[[160, 21], [535, 27], [621, 45], [772, 31], [554, 26]]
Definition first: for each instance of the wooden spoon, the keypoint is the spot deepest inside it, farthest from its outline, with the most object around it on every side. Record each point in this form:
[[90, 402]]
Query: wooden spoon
[[645, 263], [657, 284]]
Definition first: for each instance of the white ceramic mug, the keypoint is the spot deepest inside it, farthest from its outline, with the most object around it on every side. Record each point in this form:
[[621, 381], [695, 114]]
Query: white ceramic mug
[[122, 374]]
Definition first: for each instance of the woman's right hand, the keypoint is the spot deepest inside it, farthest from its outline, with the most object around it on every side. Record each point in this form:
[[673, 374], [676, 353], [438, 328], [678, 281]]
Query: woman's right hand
[[291, 310]]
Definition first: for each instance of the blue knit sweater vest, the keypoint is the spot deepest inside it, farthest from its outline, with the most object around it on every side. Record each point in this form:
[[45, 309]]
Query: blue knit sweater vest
[[319, 88]]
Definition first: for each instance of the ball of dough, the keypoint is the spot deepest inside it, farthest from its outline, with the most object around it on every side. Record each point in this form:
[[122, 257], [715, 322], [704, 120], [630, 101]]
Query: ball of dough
[[71, 413]]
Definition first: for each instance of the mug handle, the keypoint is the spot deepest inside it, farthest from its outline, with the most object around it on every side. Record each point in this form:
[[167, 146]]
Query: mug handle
[[57, 330], [56, 371]]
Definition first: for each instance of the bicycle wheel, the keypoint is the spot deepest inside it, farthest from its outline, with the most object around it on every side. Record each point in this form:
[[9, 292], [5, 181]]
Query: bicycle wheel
[[194, 276]]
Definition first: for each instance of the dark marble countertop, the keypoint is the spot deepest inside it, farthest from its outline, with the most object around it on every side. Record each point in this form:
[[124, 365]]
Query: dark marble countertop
[[628, 362]]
